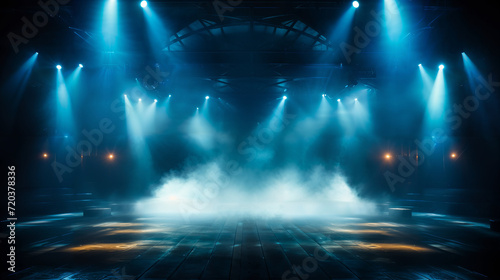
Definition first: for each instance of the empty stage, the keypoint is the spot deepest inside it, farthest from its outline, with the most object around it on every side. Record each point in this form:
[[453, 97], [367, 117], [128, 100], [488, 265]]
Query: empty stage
[[425, 246]]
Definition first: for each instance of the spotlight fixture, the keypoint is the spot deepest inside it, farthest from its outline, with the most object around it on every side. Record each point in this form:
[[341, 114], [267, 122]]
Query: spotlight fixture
[[59, 67], [338, 100], [355, 99], [125, 95], [144, 4], [156, 100], [441, 66], [197, 108], [140, 99], [420, 65], [80, 65], [207, 97], [170, 95], [355, 4], [284, 97], [324, 95]]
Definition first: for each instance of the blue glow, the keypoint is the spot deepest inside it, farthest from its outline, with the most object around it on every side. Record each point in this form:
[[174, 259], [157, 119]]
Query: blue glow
[[427, 82], [393, 19], [136, 128], [80, 65], [355, 4], [207, 97], [441, 67], [110, 24], [17, 83], [437, 100], [342, 27], [65, 121], [157, 33], [59, 67], [360, 118], [73, 79], [284, 97], [473, 74]]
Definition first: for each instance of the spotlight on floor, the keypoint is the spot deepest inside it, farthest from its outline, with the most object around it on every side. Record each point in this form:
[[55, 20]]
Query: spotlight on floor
[[59, 67], [144, 4], [355, 4], [284, 97], [441, 66]]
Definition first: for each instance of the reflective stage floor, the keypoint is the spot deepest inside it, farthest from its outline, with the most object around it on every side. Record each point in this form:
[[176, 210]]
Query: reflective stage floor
[[427, 246]]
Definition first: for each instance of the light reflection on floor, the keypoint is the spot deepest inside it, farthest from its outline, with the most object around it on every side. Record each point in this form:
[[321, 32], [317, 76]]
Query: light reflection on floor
[[427, 242]]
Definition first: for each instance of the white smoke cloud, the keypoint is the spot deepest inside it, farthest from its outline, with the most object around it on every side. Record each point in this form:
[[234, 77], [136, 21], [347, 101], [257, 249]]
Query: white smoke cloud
[[211, 189]]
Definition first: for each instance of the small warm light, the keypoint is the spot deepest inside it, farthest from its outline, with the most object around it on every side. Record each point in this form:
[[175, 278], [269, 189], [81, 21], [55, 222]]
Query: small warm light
[[45, 155], [453, 155], [111, 156], [388, 156]]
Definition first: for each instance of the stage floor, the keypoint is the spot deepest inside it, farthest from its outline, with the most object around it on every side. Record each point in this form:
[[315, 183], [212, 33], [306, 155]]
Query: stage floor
[[427, 246]]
